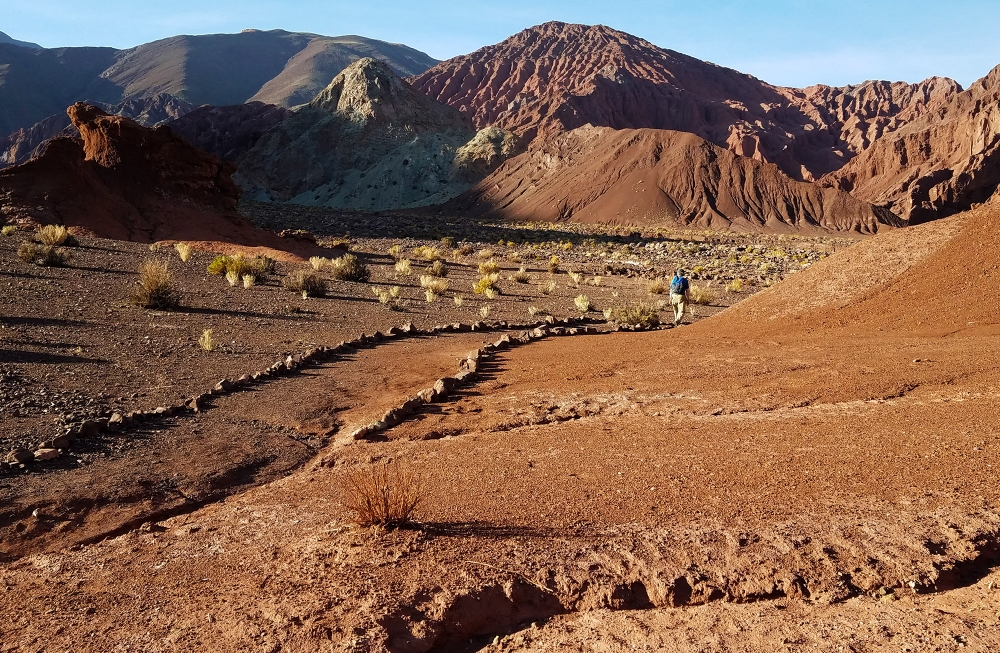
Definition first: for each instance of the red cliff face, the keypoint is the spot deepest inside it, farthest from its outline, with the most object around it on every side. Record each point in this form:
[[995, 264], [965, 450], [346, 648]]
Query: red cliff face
[[121, 180], [556, 77], [939, 164]]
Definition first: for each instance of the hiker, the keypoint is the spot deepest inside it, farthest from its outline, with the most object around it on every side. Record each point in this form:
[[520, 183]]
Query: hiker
[[679, 288]]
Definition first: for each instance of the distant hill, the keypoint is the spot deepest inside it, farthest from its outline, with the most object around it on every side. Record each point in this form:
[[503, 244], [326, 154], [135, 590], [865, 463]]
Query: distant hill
[[24, 44], [276, 67]]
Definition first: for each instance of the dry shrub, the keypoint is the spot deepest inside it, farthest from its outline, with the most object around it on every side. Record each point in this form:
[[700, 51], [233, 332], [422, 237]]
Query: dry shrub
[[404, 267], [487, 286], [305, 281], [596, 281], [428, 253], [701, 295], [458, 299], [249, 281], [238, 265], [156, 287], [489, 267], [184, 251], [484, 311], [386, 494], [554, 265], [206, 341], [521, 276], [657, 287], [8, 230], [463, 250], [434, 284], [396, 252], [548, 288], [54, 235], [582, 303], [349, 268], [438, 269], [389, 298], [736, 285], [43, 255], [634, 314], [485, 253], [575, 277], [317, 262], [232, 278]]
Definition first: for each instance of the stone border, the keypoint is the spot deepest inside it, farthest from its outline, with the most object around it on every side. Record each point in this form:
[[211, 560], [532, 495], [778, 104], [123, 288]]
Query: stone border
[[53, 449]]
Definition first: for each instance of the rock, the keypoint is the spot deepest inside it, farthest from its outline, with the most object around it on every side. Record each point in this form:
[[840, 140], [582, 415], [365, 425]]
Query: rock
[[468, 365], [428, 395], [392, 417], [20, 456], [223, 386], [413, 405], [394, 332], [442, 387], [46, 454], [464, 376], [116, 422], [60, 442], [408, 328], [90, 428], [196, 404]]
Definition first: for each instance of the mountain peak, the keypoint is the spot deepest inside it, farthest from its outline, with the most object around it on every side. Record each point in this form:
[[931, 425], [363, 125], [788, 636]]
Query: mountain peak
[[24, 44]]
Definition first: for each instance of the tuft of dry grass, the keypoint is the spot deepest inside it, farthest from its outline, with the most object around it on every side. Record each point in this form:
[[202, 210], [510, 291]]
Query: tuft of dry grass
[[55, 235], [575, 277], [389, 298], [464, 249], [486, 253], [458, 300], [385, 495], [736, 285], [657, 287], [582, 303], [521, 276], [184, 251], [701, 295], [317, 262], [640, 314], [404, 267], [238, 265], [487, 286], [349, 268], [156, 287], [206, 341], [434, 284], [305, 281], [489, 267], [232, 277], [396, 252], [596, 281], [437, 269], [548, 288], [484, 311], [554, 265], [8, 230], [249, 281], [42, 255], [428, 253]]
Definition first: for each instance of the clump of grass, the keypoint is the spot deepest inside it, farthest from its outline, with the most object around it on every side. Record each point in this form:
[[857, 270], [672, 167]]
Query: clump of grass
[[249, 281], [487, 286], [484, 311], [486, 253], [448, 242], [548, 288], [263, 266], [156, 287], [458, 299], [463, 250], [349, 268], [206, 341], [42, 255], [317, 262], [305, 281], [582, 303], [238, 265], [701, 295], [55, 235], [232, 277], [437, 269], [428, 253], [657, 287], [184, 251], [489, 267], [554, 265], [404, 267], [596, 281], [8, 230], [640, 314], [385, 495], [396, 252], [389, 298], [436, 285], [736, 285], [521, 276], [575, 277]]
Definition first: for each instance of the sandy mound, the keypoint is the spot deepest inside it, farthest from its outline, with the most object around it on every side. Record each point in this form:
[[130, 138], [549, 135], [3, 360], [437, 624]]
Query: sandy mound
[[646, 176]]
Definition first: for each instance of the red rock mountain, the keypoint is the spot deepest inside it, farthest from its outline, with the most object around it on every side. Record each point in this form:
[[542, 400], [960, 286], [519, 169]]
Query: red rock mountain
[[555, 77], [649, 176], [125, 181], [939, 164]]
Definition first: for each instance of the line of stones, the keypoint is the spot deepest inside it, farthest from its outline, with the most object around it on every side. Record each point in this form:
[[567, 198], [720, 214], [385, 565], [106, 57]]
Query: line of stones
[[52, 449], [468, 370]]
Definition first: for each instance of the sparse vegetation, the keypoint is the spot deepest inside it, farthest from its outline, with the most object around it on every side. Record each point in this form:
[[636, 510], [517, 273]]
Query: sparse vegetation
[[8, 230], [736, 285], [485, 253], [521, 276], [490, 267], [238, 265], [435, 285], [206, 341], [437, 269], [458, 300], [396, 252], [657, 286], [582, 303], [232, 277], [427, 253], [42, 255], [464, 250], [389, 297], [404, 267], [349, 268], [487, 286], [596, 281], [55, 235], [249, 281], [184, 251], [640, 314], [701, 295], [548, 288], [575, 277], [554, 265], [385, 495], [484, 311], [318, 262], [305, 281], [448, 242], [156, 287]]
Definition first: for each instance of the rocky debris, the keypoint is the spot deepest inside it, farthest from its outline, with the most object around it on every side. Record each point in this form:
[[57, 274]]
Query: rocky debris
[[937, 165], [556, 77], [370, 142], [646, 176], [228, 132], [28, 142]]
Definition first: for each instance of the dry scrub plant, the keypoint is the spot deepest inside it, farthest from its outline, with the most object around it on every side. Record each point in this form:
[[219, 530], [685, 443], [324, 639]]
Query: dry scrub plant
[[548, 288], [657, 287], [554, 265], [232, 277], [437, 269], [521, 276], [428, 254], [238, 265], [305, 281], [389, 298], [349, 268], [433, 286], [484, 311], [582, 303], [489, 267], [156, 287], [184, 251], [54, 235], [318, 262], [206, 341], [736, 285], [249, 281], [386, 494], [458, 300], [404, 267], [487, 286], [701, 295], [634, 315], [396, 252], [8, 230], [43, 255]]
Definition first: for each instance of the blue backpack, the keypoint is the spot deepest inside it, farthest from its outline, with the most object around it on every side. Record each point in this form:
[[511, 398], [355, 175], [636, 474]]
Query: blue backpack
[[678, 286]]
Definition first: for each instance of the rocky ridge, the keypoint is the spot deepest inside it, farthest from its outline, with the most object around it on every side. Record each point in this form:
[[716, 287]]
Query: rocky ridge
[[941, 163], [555, 77], [648, 176], [228, 132], [370, 142]]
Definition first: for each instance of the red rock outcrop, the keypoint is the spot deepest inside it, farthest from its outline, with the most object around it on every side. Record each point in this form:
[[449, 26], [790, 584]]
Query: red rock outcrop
[[647, 176], [939, 164], [128, 182], [556, 77]]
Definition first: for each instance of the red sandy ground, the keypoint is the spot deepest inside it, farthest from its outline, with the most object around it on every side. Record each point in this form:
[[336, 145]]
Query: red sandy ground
[[751, 482]]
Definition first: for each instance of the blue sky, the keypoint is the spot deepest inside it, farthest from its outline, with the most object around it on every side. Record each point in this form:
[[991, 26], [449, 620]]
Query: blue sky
[[794, 43]]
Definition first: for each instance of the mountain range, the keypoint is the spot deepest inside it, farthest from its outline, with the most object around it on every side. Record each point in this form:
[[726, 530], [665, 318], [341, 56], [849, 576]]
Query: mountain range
[[559, 121]]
